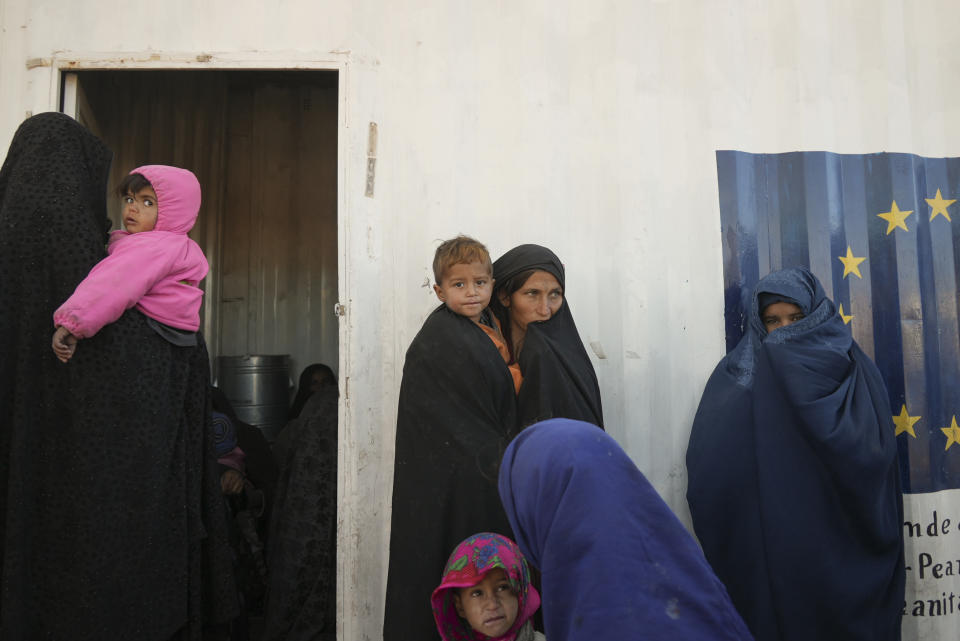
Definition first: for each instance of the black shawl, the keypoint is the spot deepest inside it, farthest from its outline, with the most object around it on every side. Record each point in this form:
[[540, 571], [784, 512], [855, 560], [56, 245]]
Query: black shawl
[[558, 378], [110, 516], [793, 481], [302, 548], [457, 413]]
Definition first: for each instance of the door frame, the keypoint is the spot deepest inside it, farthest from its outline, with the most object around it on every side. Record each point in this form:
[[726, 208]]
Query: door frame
[[61, 63]]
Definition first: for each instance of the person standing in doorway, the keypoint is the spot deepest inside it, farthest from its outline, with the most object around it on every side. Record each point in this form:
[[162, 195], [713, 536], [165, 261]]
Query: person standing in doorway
[[111, 520]]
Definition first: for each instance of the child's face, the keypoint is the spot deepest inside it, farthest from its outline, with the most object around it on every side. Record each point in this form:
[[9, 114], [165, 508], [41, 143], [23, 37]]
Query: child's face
[[140, 211], [490, 607], [466, 289]]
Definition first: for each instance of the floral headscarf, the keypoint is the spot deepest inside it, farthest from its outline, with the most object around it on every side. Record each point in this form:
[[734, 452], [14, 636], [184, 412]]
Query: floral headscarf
[[470, 561]]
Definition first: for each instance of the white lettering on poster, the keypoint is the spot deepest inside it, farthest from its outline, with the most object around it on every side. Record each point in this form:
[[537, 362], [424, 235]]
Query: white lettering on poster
[[931, 535]]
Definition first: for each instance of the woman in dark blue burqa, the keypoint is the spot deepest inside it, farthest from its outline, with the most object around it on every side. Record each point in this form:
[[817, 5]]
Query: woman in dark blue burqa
[[793, 481], [615, 562]]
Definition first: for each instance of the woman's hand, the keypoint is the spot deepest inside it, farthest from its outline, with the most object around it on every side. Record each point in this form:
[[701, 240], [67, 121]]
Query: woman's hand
[[64, 344]]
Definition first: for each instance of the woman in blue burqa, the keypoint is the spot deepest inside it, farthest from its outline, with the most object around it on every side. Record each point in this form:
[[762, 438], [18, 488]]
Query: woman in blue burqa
[[616, 563], [793, 481]]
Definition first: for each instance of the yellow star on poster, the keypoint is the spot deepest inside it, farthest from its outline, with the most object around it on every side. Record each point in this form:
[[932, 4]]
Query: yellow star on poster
[[895, 218], [846, 317], [851, 263], [905, 422], [939, 206], [952, 432]]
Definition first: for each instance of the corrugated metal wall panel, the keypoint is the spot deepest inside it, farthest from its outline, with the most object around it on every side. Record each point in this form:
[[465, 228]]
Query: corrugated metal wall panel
[[281, 261]]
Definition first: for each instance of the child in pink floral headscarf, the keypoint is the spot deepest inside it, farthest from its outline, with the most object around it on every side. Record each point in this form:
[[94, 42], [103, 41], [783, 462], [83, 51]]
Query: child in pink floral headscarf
[[485, 593], [152, 264]]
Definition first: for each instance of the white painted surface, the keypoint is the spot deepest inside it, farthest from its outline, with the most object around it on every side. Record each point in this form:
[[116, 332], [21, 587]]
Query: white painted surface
[[587, 127]]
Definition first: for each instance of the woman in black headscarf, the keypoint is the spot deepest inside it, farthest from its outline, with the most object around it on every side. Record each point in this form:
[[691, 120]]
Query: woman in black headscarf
[[302, 546], [558, 378], [110, 517], [793, 481], [312, 378]]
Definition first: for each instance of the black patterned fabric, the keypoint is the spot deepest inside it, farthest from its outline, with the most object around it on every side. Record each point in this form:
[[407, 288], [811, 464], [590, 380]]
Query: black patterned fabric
[[302, 547], [110, 517], [456, 414]]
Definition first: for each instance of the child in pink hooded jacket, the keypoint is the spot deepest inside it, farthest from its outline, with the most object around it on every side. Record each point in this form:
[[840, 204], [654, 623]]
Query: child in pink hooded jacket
[[151, 264]]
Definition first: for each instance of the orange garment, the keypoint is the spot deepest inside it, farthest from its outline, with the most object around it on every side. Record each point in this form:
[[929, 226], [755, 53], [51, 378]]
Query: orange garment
[[497, 337]]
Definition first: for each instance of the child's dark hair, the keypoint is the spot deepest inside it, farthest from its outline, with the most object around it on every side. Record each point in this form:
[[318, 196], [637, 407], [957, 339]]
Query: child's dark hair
[[455, 251], [131, 184]]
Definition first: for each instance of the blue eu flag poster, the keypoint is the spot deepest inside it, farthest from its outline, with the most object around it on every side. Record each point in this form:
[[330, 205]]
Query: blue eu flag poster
[[882, 233]]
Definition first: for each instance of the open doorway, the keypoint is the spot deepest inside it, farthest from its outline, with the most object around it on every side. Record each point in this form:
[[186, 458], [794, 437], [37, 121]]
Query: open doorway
[[264, 147]]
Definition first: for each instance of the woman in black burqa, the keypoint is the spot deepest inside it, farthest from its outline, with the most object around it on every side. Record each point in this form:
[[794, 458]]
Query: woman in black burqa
[[302, 546], [558, 378], [312, 378], [110, 516]]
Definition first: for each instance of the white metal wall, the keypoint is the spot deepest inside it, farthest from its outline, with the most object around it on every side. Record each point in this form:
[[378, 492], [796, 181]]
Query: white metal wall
[[587, 127]]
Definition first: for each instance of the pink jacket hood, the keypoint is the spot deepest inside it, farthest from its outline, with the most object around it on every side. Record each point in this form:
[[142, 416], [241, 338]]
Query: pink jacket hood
[[178, 196]]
